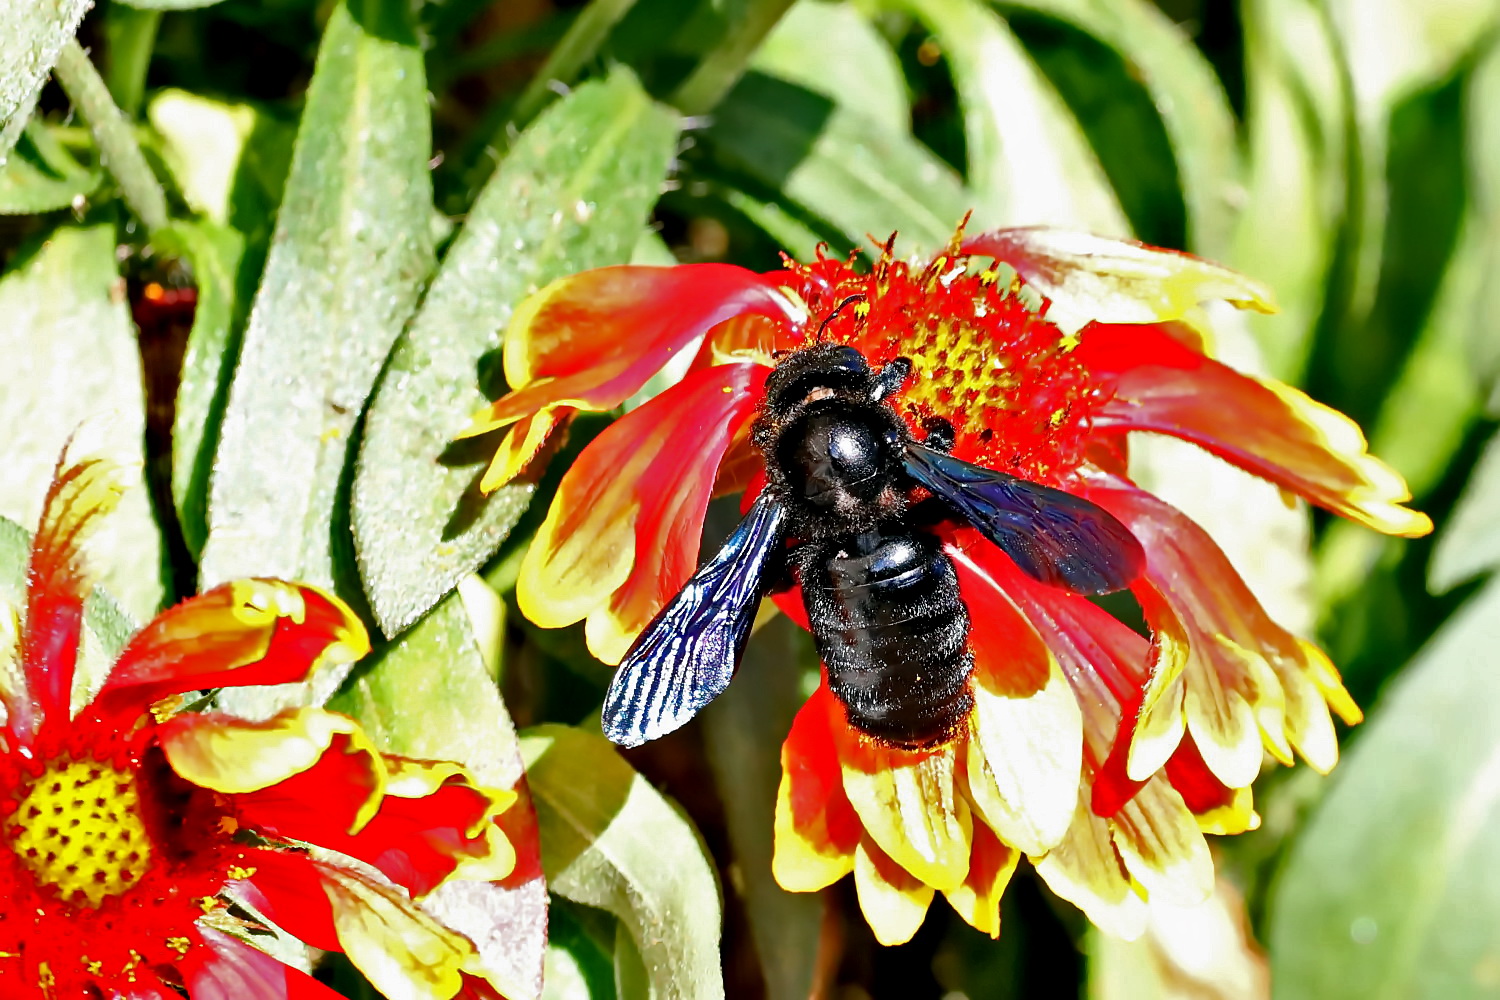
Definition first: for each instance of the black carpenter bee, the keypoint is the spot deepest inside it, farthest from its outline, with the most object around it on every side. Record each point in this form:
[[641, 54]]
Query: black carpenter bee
[[881, 595]]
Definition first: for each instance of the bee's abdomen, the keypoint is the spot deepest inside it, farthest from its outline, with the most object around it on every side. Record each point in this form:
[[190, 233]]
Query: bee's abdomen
[[890, 626]]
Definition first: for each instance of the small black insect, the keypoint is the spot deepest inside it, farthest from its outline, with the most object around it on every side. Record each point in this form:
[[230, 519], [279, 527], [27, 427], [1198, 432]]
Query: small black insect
[[881, 596]]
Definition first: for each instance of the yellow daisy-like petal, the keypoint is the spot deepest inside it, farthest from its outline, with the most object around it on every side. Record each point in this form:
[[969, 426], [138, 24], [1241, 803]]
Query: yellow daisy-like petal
[[1162, 846], [1086, 871], [910, 805], [893, 901], [1025, 759], [402, 951]]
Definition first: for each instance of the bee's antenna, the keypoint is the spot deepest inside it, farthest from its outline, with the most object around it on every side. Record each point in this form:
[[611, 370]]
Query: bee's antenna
[[849, 301]]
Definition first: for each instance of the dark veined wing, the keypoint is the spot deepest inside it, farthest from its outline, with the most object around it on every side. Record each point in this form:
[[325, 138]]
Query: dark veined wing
[[687, 655], [1051, 535]]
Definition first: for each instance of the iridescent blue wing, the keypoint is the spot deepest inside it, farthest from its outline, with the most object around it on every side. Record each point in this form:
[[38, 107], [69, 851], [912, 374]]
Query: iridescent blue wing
[[687, 655], [1053, 536]]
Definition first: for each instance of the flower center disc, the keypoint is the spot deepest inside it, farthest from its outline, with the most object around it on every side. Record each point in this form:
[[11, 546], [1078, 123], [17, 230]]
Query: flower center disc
[[79, 829]]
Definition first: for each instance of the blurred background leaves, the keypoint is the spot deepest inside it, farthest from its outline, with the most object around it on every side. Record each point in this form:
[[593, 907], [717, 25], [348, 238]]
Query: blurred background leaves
[[274, 247]]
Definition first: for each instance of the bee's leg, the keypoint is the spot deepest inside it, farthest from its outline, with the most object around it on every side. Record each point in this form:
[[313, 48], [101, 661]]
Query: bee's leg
[[940, 434], [890, 377]]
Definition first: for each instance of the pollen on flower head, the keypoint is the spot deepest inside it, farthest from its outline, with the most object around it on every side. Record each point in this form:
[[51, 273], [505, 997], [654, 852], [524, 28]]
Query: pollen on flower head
[[985, 357], [78, 828]]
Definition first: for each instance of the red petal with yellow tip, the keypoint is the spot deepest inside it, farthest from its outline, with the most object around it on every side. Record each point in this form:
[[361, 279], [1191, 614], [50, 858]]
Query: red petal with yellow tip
[[1243, 670], [230, 969], [244, 632], [817, 829], [910, 804], [1025, 753], [56, 586], [300, 775], [591, 340], [416, 841], [1265, 427], [622, 534], [991, 865]]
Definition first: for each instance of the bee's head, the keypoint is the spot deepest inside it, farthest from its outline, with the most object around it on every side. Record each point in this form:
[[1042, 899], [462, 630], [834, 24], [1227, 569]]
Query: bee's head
[[817, 372]]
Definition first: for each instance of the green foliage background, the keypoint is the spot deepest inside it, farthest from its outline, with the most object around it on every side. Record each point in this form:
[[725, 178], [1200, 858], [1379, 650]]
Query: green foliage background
[[360, 193]]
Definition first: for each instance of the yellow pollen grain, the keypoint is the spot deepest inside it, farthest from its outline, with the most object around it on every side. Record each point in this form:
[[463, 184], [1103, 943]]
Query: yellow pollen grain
[[79, 830], [239, 872], [179, 945], [208, 904]]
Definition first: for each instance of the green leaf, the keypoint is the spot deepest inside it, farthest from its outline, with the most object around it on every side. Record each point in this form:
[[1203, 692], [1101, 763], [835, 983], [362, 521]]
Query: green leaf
[[1028, 161], [42, 176], [836, 163], [860, 72], [203, 141], [1470, 541], [214, 253], [431, 695], [1297, 173], [610, 840], [577, 968], [351, 253], [106, 628], [1393, 888], [741, 731], [573, 193], [71, 353], [170, 4], [1483, 124], [34, 35], [1193, 106]]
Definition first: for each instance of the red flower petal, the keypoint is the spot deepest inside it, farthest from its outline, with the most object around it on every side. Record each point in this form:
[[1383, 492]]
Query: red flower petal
[[287, 888], [622, 534], [228, 969], [817, 829], [56, 587], [318, 805], [1264, 427], [1103, 659], [240, 633], [591, 340], [416, 842]]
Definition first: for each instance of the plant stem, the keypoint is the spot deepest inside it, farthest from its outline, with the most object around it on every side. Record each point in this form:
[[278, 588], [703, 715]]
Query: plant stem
[[722, 68], [577, 47], [118, 149]]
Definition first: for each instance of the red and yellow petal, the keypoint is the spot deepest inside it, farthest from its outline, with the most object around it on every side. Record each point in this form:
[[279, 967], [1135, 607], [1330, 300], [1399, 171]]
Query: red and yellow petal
[[1233, 693], [893, 900], [57, 584], [1116, 281], [301, 774], [521, 445], [1263, 426], [1087, 871], [252, 631], [434, 823], [910, 805], [1218, 808], [977, 899], [817, 829], [589, 341], [1162, 846], [622, 534], [397, 945], [1024, 755]]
